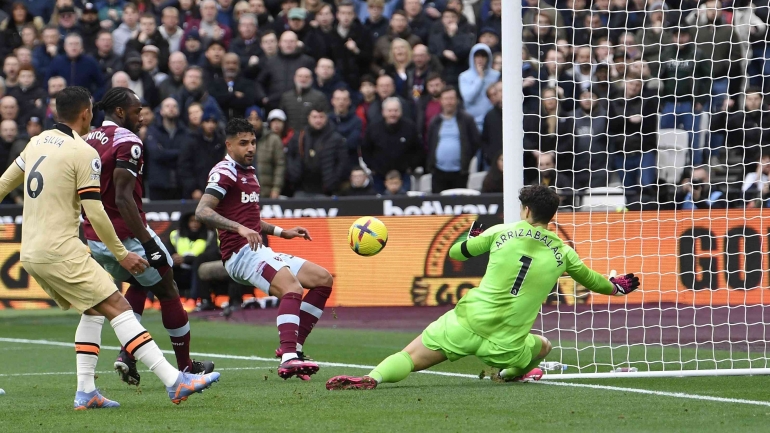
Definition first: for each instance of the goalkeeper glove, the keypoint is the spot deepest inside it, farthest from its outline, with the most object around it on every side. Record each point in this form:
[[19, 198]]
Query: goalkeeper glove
[[475, 230], [624, 284], [155, 254]]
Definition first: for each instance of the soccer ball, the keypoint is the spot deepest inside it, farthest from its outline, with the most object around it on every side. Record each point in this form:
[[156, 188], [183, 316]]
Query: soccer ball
[[367, 236]]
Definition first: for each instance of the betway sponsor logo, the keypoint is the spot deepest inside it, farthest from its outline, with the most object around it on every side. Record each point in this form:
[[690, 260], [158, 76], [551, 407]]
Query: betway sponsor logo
[[436, 208], [249, 198], [276, 211]]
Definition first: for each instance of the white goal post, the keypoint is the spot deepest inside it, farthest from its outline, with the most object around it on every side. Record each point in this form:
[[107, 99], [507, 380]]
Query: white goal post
[[666, 181]]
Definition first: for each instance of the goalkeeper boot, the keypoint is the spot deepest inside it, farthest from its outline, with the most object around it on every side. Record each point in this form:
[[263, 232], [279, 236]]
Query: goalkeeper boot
[[202, 367], [350, 382], [93, 400], [188, 384], [125, 365], [297, 367], [534, 375]]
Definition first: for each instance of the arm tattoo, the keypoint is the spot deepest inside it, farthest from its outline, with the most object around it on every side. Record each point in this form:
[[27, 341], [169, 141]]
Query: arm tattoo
[[206, 214], [266, 227]]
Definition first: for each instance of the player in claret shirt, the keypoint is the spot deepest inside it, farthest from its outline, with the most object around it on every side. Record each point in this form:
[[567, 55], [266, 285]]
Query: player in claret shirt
[[231, 205], [122, 155], [493, 321]]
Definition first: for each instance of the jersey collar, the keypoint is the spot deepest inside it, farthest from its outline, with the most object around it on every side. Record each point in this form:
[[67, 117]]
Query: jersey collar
[[109, 123], [65, 129], [228, 158]]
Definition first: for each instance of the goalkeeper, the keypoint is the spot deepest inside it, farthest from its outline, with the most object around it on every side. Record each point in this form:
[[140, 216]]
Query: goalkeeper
[[493, 321]]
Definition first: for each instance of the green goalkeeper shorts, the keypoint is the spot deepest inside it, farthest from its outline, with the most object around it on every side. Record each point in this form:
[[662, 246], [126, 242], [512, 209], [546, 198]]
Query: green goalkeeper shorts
[[448, 336]]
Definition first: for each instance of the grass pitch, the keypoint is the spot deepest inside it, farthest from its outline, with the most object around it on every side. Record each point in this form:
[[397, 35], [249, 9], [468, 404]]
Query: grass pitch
[[39, 380]]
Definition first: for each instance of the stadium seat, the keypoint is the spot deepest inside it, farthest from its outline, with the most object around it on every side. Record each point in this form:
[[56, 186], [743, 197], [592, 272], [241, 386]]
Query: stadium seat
[[414, 186], [603, 199], [426, 183], [460, 191], [673, 145], [474, 167], [476, 180]]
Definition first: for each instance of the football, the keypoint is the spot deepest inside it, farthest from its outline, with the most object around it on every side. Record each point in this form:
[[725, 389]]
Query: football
[[367, 236]]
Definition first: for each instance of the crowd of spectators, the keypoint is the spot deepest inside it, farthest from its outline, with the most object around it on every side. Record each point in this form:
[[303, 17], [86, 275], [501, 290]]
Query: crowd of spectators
[[356, 97], [387, 88]]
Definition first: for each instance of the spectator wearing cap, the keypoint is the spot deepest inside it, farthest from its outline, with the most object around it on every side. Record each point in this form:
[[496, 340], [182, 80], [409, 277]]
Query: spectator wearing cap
[[192, 48], [281, 22], [346, 123], [11, 146], [278, 75], [34, 127], [212, 61], [310, 38], [276, 122], [10, 28], [194, 90], [43, 54], [170, 30], [30, 96], [90, 27], [399, 28], [489, 37], [246, 45], [368, 97], [204, 150], [316, 160], [451, 46], [298, 102], [109, 61], [208, 27], [476, 80], [125, 31], [376, 24], [150, 64], [270, 160], [233, 92], [166, 137], [140, 81], [177, 63], [351, 45], [68, 20], [149, 35], [392, 143], [452, 141], [326, 78], [78, 68]]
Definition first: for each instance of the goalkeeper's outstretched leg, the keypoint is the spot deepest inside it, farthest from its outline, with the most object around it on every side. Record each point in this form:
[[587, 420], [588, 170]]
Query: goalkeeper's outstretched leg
[[395, 368]]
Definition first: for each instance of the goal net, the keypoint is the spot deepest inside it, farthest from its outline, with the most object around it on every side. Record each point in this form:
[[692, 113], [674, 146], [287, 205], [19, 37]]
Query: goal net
[[649, 118]]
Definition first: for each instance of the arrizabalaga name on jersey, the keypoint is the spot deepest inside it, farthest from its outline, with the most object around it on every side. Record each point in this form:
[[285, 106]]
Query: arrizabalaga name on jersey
[[536, 235]]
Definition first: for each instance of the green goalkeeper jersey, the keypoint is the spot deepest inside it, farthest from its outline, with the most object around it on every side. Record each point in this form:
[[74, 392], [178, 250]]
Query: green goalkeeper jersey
[[525, 263]]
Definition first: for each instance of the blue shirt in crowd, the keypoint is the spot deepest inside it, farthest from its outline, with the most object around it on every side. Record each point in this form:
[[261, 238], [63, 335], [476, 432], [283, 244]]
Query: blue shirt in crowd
[[448, 150]]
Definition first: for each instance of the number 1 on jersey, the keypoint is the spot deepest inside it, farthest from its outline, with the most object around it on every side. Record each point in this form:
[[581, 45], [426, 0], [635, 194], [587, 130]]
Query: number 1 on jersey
[[525, 262]]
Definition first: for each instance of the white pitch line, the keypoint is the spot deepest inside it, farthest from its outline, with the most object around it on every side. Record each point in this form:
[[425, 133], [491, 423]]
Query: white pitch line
[[369, 367], [65, 373]]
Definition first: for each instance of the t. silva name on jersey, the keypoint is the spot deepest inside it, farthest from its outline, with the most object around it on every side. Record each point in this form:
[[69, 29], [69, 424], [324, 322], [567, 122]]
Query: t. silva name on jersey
[[536, 235]]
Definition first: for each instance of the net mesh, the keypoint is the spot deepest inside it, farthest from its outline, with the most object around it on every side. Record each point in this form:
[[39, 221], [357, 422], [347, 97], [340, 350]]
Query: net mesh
[[650, 120]]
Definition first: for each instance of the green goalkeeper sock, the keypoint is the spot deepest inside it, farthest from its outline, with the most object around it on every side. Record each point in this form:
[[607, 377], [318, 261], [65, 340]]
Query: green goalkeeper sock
[[394, 368]]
